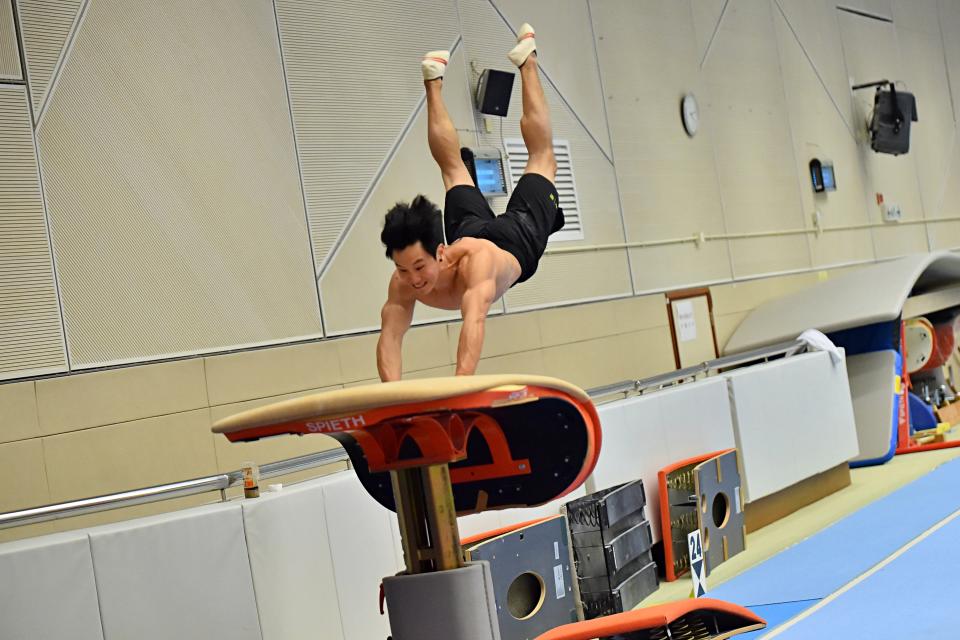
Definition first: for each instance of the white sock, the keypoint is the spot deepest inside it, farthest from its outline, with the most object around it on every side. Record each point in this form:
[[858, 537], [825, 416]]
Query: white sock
[[525, 45], [434, 64]]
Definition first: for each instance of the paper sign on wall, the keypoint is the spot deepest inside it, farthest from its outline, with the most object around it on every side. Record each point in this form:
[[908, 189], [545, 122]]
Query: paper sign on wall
[[686, 322]]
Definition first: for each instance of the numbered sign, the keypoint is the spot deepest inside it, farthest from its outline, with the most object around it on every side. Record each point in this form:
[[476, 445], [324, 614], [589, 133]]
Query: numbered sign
[[698, 569]]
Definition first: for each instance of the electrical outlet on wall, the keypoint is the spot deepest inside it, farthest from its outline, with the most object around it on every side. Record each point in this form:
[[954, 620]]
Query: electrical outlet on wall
[[891, 212]]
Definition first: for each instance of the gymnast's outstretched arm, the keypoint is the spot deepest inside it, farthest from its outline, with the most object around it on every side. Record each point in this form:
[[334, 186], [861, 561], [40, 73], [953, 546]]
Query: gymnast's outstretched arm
[[395, 319], [479, 295]]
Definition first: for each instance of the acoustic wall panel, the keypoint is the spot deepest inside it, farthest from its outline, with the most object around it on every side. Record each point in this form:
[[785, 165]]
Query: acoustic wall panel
[[569, 55], [31, 332], [949, 18], [179, 575], [925, 73], [747, 112], [45, 27], [814, 26], [821, 130], [353, 71], [48, 589], [9, 49], [348, 308], [893, 176], [707, 15], [172, 184], [487, 38], [668, 181], [946, 235]]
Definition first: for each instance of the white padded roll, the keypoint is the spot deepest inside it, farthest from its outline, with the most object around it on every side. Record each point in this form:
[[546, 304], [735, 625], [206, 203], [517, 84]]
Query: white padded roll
[[292, 565], [872, 386], [362, 547], [183, 575], [874, 293], [793, 419], [47, 589], [645, 434]]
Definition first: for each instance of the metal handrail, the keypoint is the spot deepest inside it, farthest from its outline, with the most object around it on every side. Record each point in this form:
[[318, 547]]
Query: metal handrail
[[220, 482], [224, 481], [782, 349]]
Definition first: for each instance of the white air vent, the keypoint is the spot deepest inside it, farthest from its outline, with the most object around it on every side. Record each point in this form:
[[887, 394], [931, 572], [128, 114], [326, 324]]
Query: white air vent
[[566, 187]]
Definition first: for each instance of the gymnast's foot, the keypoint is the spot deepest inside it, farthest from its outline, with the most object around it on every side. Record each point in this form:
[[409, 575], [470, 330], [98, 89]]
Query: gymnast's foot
[[525, 45], [434, 65]]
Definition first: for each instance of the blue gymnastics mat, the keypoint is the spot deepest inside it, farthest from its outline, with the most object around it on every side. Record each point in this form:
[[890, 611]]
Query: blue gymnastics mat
[[912, 597], [816, 567], [775, 615]]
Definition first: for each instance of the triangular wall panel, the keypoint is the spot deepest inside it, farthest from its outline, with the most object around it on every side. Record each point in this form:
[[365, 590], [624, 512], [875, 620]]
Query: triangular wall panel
[[31, 333], [567, 277], [354, 286], [814, 25], [46, 26], [820, 132], [569, 57], [707, 15], [9, 51], [172, 187], [353, 72]]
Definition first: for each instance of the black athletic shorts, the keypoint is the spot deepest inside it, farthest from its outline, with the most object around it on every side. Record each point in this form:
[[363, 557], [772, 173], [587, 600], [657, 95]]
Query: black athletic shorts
[[532, 214]]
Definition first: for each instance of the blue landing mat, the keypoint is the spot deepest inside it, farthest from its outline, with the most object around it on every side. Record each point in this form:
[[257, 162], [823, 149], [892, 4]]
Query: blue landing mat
[[821, 564], [912, 597], [775, 615]]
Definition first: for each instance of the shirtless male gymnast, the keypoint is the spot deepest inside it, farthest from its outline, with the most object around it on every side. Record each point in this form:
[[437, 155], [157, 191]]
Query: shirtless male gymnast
[[487, 254]]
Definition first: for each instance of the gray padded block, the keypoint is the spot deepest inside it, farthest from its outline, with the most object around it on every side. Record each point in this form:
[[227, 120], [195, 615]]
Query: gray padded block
[[872, 387], [443, 605], [182, 575], [47, 589]]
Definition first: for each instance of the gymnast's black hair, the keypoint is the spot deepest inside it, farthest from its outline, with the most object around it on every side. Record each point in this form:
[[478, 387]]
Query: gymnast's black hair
[[406, 224]]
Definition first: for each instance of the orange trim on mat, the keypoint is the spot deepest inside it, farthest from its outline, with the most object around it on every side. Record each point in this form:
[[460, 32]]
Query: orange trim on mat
[[651, 618], [665, 506]]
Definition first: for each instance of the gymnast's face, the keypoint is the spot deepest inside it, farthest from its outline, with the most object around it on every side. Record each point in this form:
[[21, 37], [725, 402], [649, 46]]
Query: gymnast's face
[[417, 268]]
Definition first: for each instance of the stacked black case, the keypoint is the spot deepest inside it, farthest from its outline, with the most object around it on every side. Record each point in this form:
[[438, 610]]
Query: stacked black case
[[612, 542]]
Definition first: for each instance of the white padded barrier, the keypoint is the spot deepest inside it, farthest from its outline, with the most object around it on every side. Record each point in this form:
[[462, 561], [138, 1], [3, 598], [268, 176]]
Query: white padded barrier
[[47, 589], [793, 419], [181, 575], [292, 564], [642, 435], [872, 388], [364, 550]]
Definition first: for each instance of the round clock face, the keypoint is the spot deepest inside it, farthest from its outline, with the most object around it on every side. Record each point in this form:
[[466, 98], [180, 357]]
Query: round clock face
[[690, 113]]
